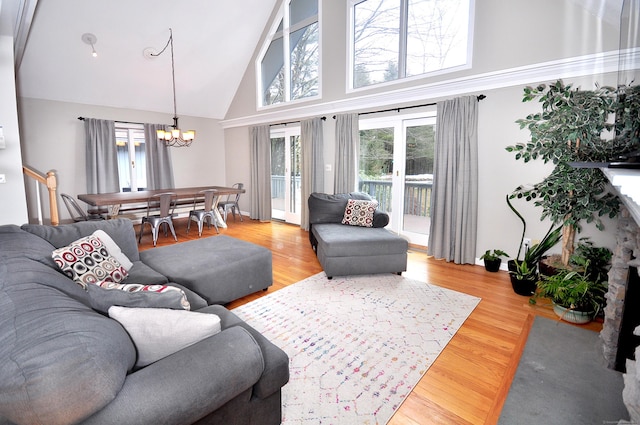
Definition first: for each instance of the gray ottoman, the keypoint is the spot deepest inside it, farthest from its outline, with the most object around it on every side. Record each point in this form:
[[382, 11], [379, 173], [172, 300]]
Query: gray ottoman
[[219, 268], [351, 250]]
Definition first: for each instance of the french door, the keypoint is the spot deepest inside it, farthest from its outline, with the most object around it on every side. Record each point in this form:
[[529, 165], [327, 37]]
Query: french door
[[285, 175], [396, 168]]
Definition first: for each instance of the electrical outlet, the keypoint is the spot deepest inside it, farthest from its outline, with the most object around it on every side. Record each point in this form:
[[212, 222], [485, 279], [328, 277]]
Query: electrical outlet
[[526, 244]]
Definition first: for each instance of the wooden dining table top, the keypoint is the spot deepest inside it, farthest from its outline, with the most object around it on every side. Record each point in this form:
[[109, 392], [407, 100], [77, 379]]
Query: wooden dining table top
[[119, 198]]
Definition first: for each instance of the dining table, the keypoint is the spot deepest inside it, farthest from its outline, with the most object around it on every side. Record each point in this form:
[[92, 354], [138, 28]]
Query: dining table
[[114, 201]]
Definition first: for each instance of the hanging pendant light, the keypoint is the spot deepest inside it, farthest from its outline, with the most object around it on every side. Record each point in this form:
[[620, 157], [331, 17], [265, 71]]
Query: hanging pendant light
[[175, 136]]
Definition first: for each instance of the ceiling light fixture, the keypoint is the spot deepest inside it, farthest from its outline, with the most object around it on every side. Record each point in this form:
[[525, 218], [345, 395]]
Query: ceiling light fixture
[[90, 39], [173, 137]]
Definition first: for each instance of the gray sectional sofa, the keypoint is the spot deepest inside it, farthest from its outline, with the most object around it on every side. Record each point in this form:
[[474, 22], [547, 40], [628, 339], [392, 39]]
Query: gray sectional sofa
[[64, 360], [344, 249]]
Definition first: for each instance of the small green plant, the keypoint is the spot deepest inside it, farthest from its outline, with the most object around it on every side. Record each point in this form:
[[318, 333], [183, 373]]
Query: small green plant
[[572, 290], [493, 255], [594, 261], [527, 268]]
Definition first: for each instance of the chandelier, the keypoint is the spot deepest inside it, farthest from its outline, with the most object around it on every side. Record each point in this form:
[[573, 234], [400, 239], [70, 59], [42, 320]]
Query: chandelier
[[173, 137]]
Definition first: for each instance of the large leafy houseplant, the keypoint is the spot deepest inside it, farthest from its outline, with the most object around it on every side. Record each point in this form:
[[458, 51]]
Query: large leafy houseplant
[[576, 126]]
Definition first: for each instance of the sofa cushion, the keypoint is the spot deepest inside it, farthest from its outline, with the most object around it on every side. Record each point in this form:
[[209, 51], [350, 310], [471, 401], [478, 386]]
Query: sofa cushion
[[120, 229], [88, 262], [158, 332], [339, 240], [359, 212], [56, 351], [113, 248], [326, 208]]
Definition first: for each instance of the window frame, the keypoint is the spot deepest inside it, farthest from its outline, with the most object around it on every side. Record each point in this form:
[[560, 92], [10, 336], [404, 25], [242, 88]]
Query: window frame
[[138, 129], [350, 60], [283, 16]]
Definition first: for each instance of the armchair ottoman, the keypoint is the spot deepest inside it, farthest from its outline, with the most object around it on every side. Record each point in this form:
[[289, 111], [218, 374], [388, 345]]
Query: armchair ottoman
[[344, 249]]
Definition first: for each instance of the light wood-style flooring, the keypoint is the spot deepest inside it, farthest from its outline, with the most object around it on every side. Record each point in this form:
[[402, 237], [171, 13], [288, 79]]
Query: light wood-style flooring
[[470, 380]]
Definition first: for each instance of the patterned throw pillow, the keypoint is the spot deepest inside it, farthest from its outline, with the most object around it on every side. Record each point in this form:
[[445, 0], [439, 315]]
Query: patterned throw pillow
[[87, 261], [136, 287], [359, 212]]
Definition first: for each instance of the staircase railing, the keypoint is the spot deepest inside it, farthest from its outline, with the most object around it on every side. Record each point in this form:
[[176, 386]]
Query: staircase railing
[[50, 182]]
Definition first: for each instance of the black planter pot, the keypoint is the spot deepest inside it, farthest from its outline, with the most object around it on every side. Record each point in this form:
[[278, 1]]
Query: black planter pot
[[526, 287], [492, 265]]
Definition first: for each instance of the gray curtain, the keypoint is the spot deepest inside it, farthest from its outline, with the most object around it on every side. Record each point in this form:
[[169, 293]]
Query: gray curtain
[[347, 148], [260, 173], [101, 156], [159, 168], [312, 167], [454, 202]]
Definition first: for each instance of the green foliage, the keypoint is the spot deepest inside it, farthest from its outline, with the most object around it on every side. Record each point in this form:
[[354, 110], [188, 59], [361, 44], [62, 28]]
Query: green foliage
[[493, 255], [576, 125], [594, 261], [573, 290]]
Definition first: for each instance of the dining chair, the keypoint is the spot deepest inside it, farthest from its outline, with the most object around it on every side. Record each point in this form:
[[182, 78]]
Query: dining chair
[[76, 212], [160, 210], [231, 203], [207, 212]]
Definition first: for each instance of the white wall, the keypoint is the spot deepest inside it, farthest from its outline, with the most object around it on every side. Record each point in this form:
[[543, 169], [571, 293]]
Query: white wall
[[12, 199], [53, 139]]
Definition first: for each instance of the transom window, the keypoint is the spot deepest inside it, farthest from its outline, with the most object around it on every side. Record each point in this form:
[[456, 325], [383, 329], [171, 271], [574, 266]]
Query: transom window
[[395, 39], [288, 67]]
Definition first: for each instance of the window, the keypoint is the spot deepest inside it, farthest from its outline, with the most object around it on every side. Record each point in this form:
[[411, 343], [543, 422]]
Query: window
[[130, 147], [395, 39], [396, 167], [288, 68]]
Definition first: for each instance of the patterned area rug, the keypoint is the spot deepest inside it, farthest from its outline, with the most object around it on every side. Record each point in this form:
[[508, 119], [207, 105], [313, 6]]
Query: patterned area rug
[[357, 344]]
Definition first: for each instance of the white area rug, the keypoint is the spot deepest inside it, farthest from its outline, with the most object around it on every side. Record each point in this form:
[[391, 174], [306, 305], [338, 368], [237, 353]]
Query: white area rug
[[357, 344]]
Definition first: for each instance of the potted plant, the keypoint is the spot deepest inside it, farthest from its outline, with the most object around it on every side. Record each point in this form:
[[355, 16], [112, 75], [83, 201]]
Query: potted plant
[[492, 259], [573, 127], [524, 273], [575, 297]]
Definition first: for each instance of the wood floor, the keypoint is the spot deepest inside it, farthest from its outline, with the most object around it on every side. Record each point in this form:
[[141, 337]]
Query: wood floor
[[469, 381]]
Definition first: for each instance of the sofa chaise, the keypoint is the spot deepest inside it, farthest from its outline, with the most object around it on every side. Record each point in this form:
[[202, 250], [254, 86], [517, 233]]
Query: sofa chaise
[[67, 358], [346, 245]]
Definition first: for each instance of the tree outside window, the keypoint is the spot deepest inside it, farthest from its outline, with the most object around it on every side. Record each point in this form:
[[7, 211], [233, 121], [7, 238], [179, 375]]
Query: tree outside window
[[394, 39], [289, 67]]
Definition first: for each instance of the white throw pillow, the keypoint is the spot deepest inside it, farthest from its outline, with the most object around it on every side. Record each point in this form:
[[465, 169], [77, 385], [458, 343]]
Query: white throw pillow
[[114, 249], [159, 332]]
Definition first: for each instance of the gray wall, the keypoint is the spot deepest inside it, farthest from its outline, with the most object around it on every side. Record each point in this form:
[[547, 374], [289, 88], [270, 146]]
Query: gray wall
[[517, 43], [53, 139]]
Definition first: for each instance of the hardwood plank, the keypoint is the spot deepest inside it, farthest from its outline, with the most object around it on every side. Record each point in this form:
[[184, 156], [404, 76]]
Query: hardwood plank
[[468, 383]]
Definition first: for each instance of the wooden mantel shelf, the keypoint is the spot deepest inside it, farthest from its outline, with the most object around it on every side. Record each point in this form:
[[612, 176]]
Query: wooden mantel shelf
[[626, 182]]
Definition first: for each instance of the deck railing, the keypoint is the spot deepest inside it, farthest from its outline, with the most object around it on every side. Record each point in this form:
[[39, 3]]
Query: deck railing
[[50, 182], [417, 195]]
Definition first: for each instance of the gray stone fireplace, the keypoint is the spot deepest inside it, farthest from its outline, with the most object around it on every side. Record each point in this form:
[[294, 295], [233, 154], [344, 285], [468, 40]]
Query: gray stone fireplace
[[620, 327]]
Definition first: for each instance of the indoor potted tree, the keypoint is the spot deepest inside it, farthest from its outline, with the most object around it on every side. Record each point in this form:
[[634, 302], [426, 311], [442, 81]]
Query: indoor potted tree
[[492, 259], [572, 128]]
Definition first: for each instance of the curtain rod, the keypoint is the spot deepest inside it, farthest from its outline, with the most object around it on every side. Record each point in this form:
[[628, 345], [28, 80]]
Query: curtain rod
[[294, 122], [479, 97], [124, 122]]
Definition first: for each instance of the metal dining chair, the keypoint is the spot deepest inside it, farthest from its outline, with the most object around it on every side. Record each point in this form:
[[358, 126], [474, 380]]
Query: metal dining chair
[[160, 210], [76, 212], [231, 203], [208, 212]]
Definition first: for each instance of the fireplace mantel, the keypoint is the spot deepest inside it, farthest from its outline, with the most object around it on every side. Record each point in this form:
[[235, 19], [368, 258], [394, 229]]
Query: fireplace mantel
[[626, 183]]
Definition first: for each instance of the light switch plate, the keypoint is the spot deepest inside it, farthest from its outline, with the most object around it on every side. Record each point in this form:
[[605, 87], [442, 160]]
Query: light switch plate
[[3, 178]]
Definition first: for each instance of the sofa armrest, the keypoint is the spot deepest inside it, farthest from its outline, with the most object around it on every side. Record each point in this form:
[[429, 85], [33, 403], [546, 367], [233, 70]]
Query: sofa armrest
[[189, 384]]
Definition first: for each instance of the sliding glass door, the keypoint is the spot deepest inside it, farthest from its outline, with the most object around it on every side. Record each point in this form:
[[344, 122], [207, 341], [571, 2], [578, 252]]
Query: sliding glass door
[[285, 175], [396, 168]]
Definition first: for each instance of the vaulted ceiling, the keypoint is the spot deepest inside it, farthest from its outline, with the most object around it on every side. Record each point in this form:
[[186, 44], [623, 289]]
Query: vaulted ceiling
[[213, 45]]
